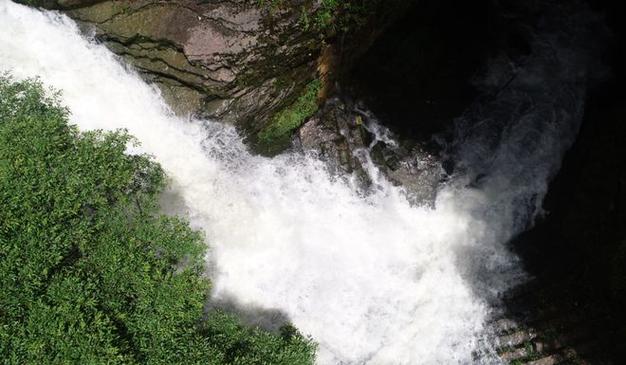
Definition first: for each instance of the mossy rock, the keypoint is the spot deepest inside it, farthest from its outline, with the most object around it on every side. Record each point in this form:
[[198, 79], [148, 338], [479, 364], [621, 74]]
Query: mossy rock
[[277, 134]]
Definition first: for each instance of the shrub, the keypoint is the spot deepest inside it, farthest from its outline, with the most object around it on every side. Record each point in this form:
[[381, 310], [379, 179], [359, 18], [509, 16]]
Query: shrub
[[90, 273]]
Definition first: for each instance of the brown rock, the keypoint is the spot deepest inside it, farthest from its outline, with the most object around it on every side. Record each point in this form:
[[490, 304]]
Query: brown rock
[[237, 61]]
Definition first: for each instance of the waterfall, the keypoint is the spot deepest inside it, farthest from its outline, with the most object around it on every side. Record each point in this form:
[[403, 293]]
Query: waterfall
[[373, 279]]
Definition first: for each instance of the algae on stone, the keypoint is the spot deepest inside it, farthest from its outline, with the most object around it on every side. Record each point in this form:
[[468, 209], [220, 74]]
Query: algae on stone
[[278, 132]]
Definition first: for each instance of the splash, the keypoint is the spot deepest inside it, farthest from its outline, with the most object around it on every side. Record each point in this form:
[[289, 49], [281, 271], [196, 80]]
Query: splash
[[371, 278]]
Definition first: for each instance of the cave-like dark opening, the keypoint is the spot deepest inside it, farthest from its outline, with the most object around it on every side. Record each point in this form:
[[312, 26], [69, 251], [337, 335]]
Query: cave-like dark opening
[[417, 76]]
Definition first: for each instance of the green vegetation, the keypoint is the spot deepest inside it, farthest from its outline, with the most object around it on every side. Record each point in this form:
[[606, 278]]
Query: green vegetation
[[326, 14], [342, 16], [90, 273], [277, 133], [331, 16]]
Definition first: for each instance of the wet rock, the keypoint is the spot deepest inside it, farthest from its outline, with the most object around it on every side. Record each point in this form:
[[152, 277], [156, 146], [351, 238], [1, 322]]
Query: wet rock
[[239, 61], [349, 138], [334, 134]]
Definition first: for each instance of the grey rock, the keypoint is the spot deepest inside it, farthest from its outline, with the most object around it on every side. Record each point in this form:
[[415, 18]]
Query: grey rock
[[347, 136]]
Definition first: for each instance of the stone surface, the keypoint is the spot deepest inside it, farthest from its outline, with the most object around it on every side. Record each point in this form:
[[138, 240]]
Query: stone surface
[[239, 61], [347, 135], [533, 330]]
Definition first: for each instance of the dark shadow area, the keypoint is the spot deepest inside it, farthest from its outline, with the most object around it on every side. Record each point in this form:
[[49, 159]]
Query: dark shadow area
[[417, 75], [577, 253]]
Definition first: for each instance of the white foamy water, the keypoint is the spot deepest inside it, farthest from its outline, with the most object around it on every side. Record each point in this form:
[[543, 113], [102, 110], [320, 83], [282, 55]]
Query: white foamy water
[[372, 279]]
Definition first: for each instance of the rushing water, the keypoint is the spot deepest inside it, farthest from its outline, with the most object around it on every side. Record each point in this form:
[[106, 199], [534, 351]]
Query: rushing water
[[371, 278]]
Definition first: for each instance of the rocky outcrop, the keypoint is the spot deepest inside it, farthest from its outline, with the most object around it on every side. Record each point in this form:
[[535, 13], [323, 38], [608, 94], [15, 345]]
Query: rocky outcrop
[[239, 61], [252, 63], [350, 139], [535, 330]]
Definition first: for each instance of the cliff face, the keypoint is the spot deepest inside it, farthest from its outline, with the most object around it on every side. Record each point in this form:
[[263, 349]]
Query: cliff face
[[263, 65], [239, 61]]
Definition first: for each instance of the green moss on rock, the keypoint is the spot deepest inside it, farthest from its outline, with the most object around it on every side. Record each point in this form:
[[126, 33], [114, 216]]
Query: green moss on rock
[[275, 136]]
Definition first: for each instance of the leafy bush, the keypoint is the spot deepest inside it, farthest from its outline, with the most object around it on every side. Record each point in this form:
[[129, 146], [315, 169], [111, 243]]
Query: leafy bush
[[89, 272]]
